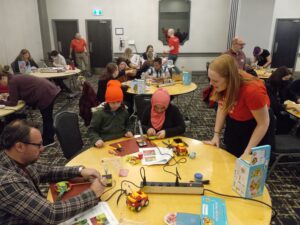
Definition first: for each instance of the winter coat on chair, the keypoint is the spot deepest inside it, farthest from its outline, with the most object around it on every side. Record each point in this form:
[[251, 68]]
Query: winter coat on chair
[[87, 101]]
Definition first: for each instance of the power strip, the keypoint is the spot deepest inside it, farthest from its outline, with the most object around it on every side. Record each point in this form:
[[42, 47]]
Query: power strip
[[171, 188]]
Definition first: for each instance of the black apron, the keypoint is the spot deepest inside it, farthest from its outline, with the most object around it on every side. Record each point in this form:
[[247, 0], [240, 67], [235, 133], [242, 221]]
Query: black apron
[[238, 133]]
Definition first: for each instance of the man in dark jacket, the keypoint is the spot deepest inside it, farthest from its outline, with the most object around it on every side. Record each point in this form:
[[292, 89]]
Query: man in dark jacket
[[37, 92]]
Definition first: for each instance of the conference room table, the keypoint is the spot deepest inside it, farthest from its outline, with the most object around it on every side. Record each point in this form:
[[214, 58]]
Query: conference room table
[[49, 75], [7, 110], [293, 108], [263, 73], [174, 90], [215, 164], [70, 73]]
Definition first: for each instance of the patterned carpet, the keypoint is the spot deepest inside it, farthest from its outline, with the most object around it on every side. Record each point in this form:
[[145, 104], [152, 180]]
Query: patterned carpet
[[284, 183]]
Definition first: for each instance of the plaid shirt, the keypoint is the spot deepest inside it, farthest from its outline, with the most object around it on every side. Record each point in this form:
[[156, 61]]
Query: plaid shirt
[[21, 201]]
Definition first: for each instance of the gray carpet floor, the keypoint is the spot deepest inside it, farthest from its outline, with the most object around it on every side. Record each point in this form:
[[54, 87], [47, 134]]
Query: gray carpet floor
[[284, 183]]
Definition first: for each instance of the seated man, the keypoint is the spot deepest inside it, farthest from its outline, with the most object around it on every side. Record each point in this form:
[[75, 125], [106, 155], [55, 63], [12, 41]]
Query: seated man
[[157, 71], [21, 200], [59, 61]]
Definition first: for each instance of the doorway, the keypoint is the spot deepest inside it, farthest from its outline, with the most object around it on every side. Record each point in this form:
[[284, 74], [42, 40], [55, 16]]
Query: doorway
[[99, 35], [64, 31], [286, 43]]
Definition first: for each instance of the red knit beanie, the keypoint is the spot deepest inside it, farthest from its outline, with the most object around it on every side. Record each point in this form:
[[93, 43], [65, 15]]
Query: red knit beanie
[[114, 92]]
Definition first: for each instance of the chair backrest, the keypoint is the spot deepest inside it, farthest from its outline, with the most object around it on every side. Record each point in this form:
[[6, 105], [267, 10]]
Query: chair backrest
[[68, 133], [141, 102], [12, 65]]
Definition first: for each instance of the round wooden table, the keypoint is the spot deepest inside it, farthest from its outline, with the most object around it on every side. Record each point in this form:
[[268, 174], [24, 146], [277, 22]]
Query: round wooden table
[[7, 110], [215, 164], [263, 73], [177, 89], [67, 73]]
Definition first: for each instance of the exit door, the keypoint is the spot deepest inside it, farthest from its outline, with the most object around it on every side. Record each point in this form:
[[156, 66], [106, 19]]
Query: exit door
[[99, 37], [286, 43], [64, 31]]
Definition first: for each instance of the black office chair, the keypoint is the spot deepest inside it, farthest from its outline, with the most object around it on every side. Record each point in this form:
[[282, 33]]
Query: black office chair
[[141, 102], [68, 133], [286, 145], [12, 65]]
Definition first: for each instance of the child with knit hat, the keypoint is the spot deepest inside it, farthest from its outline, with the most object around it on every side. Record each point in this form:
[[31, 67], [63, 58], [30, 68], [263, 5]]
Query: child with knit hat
[[111, 120], [162, 119]]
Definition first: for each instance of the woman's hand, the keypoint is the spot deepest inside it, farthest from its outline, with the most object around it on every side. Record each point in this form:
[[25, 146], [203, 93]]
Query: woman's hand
[[99, 143], [161, 134], [246, 154], [215, 141], [151, 132], [128, 134]]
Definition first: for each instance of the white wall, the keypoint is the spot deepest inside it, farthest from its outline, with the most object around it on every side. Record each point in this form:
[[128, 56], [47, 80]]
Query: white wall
[[139, 18], [254, 23], [20, 28], [285, 9]]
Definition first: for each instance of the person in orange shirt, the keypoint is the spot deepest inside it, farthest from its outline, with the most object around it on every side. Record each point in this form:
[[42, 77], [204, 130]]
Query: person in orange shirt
[[173, 43], [78, 45], [243, 104]]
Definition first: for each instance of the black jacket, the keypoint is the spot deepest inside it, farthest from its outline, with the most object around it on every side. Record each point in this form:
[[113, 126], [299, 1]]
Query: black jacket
[[174, 124]]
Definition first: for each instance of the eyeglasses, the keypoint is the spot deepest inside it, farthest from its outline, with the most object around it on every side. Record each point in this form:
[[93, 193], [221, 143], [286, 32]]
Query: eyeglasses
[[39, 145]]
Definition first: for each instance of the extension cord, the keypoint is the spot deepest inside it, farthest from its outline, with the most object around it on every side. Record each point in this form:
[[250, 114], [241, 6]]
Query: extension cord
[[172, 188]]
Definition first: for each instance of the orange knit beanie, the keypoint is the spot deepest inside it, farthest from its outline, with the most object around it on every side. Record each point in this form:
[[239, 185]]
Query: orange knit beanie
[[114, 92]]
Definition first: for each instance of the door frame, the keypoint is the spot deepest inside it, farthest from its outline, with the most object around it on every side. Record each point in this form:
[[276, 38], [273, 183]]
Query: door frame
[[54, 29], [274, 36], [87, 36]]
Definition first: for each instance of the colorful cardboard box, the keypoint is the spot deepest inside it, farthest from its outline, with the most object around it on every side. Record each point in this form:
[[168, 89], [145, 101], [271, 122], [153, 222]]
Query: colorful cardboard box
[[213, 211], [250, 175]]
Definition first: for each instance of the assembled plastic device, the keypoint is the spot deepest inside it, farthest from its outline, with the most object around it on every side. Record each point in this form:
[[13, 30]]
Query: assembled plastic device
[[136, 200], [180, 149], [61, 188]]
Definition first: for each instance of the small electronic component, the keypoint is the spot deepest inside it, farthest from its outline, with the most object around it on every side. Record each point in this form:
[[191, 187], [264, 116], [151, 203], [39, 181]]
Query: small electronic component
[[141, 142]]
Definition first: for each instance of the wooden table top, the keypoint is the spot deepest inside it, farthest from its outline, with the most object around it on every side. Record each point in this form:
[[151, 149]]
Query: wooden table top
[[11, 109], [263, 73], [292, 105], [177, 89], [67, 73], [215, 164]]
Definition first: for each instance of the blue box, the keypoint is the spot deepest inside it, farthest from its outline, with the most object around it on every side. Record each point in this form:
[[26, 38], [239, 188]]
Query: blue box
[[250, 175], [213, 211]]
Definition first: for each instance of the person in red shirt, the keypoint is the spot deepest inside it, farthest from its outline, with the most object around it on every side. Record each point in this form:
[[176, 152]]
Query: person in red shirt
[[78, 45], [243, 104], [173, 43], [4, 74]]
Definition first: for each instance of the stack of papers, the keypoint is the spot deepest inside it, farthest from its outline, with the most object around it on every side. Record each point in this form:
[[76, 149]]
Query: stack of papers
[[99, 214], [155, 155]]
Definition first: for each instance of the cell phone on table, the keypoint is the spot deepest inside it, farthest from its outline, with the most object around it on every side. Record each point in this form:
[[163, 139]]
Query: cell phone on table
[[141, 142], [177, 140]]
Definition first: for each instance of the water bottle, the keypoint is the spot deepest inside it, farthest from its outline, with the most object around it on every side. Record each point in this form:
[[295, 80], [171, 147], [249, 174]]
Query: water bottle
[[186, 78]]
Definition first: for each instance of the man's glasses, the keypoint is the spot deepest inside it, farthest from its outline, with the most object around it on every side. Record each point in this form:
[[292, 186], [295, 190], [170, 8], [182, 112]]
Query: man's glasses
[[39, 145]]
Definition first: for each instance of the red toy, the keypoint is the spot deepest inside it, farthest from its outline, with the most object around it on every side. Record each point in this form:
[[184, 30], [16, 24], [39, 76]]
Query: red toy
[[180, 149], [137, 200]]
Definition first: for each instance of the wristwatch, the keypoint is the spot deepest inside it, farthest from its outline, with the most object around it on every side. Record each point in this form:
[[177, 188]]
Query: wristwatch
[[80, 169]]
